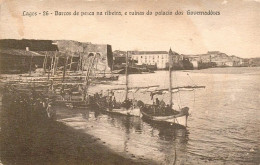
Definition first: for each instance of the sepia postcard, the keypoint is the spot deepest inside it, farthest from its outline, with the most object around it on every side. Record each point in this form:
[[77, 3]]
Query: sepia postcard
[[123, 82]]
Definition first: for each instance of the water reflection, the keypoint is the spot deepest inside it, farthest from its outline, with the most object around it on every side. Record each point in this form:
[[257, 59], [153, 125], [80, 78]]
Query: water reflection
[[173, 142], [133, 136]]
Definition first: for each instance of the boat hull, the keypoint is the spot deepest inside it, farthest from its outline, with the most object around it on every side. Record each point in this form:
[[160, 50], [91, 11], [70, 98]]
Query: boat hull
[[121, 111], [175, 120], [124, 111]]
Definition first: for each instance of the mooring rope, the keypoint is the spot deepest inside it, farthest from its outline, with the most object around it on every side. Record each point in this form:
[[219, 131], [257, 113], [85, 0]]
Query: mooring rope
[[191, 79]]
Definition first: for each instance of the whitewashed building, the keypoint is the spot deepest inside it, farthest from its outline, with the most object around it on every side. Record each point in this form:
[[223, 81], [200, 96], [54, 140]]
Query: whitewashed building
[[158, 58]]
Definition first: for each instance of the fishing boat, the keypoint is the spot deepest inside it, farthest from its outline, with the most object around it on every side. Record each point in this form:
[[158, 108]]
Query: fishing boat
[[162, 113], [79, 104], [171, 117], [127, 107]]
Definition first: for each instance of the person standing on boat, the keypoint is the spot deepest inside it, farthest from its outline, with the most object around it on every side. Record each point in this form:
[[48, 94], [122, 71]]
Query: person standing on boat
[[89, 100], [157, 102], [101, 94], [127, 104], [168, 109], [70, 94], [162, 107], [114, 102], [162, 104], [134, 102], [110, 105]]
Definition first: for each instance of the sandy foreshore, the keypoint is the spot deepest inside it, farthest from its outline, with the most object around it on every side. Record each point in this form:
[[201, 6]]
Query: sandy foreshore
[[29, 137]]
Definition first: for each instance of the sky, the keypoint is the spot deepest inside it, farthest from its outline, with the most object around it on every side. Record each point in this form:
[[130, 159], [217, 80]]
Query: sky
[[236, 31]]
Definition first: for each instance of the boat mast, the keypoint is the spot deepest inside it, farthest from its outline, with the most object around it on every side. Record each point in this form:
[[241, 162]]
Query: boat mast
[[31, 64], [170, 78], [45, 62], [126, 76], [54, 63], [112, 68], [64, 71], [65, 67], [90, 66]]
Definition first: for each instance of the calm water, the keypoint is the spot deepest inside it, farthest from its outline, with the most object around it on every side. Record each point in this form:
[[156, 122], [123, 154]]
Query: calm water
[[223, 127]]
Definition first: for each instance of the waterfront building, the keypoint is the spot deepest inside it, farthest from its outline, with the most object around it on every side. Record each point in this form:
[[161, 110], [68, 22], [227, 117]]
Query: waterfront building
[[158, 58], [237, 61], [195, 64], [23, 55], [214, 59], [20, 56]]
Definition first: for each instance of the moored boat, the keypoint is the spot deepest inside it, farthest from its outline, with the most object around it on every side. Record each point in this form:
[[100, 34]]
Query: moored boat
[[110, 105], [162, 113], [125, 108], [173, 118]]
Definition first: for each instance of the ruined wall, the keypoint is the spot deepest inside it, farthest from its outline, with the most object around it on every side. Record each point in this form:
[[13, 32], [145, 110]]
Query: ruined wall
[[102, 54], [69, 47]]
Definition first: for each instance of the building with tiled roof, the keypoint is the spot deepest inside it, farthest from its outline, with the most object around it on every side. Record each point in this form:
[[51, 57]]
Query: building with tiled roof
[[158, 58]]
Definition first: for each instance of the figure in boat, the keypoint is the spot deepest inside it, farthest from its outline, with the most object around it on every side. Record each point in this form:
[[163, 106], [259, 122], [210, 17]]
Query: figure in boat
[[160, 112], [126, 107]]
